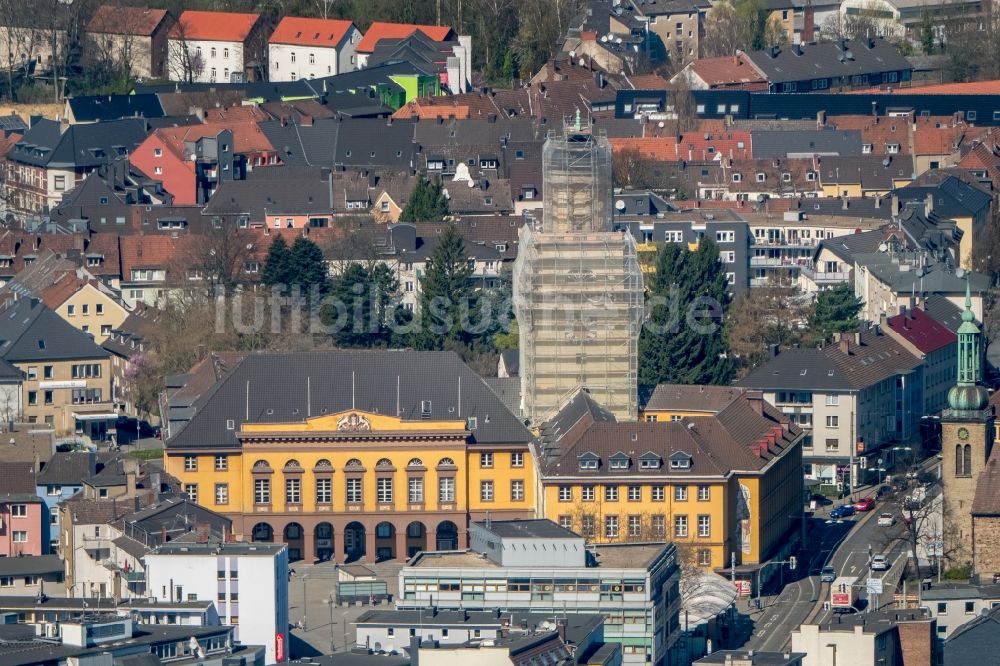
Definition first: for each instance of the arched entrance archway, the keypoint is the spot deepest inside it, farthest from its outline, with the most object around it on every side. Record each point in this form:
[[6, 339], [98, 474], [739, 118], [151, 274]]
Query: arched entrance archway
[[447, 536], [324, 542], [385, 541], [262, 532], [354, 541], [293, 536], [416, 538]]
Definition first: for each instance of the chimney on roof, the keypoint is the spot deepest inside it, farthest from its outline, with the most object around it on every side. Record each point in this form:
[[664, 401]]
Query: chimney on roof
[[895, 205], [844, 343], [756, 401], [820, 119], [929, 204]]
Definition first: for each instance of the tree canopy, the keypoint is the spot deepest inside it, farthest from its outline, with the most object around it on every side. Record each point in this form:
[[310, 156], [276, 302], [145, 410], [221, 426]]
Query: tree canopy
[[427, 203], [835, 311], [682, 342]]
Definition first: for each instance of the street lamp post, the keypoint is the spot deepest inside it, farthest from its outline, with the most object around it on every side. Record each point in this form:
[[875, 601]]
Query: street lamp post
[[305, 604], [333, 646]]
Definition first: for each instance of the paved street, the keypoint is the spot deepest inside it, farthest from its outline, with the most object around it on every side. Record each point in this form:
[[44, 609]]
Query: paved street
[[846, 546]]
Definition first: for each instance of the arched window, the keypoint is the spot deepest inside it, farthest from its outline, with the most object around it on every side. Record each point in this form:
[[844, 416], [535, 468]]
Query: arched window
[[354, 462], [293, 463], [415, 462], [446, 462], [967, 459], [323, 463], [384, 462], [958, 461], [261, 464]]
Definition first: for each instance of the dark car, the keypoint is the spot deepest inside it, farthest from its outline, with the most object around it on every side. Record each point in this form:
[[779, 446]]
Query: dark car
[[843, 511], [882, 492], [827, 575], [821, 500]]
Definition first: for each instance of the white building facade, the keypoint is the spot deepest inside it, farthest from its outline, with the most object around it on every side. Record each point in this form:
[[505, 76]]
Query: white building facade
[[247, 581], [303, 48]]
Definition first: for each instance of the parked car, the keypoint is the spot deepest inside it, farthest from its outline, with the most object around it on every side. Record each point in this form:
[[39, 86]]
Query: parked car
[[843, 511], [865, 504], [882, 492], [881, 563], [886, 520], [821, 500], [827, 575]]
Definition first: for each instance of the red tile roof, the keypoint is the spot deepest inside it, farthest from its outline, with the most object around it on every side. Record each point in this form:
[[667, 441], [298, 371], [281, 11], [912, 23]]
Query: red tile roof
[[164, 252], [648, 82], [691, 146], [379, 31], [118, 20], [728, 72], [419, 109], [247, 137], [921, 330], [215, 26], [878, 131], [310, 31]]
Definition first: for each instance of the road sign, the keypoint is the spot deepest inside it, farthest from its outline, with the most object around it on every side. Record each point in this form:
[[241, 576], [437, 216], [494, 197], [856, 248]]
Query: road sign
[[874, 586], [743, 588]]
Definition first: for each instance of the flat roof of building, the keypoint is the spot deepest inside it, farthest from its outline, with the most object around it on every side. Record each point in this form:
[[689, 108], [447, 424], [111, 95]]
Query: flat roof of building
[[613, 556], [541, 528], [217, 548], [578, 625]]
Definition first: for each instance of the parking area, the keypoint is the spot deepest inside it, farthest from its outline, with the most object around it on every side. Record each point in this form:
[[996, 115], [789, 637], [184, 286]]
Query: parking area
[[319, 624]]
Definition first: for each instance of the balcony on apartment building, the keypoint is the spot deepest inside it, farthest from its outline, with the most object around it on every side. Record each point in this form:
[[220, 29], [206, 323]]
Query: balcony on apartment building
[[825, 277]]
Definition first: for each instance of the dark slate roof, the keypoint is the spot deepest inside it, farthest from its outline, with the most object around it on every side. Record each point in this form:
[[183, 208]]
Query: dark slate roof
[[304, 145], [698, 398], [807, 369], [508, 389], [871, 171], [943, 311], [363, 79], [540, 528], [773, 143], [952, 197], [848, 246], [369, 142], [877, 357], [274, 190], [269, 91], [974, 640], [935, 277], [829, 59], [30, 565], [49, 144], [29, 331], [95, 108], [420, 376], [68, 469]]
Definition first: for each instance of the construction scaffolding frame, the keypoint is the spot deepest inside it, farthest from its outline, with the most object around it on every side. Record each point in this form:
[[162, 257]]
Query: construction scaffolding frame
[[578, 288]]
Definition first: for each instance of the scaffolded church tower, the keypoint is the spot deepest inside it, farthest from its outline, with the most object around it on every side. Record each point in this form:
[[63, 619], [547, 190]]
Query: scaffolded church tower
[[578, 291]]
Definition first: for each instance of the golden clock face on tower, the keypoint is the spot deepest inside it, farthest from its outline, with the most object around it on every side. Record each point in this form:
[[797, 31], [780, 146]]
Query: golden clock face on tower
[[963, 433]]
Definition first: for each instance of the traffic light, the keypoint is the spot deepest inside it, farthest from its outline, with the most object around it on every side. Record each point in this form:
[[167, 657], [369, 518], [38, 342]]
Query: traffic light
[[792, 562]]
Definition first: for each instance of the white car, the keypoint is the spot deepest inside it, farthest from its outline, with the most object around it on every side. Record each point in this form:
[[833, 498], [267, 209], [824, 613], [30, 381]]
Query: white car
[[880, 563], [886, 520]]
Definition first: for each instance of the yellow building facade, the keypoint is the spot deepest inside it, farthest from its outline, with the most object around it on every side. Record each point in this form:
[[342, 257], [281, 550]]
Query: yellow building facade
[[92, 310], [685, 473], [356, 483]]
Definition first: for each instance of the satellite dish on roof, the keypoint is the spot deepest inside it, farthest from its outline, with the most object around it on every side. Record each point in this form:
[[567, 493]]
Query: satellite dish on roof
[[960, 273], [761, 198], [920, 272], [883, 247], [619, 204], [886, 162], [849, 55]]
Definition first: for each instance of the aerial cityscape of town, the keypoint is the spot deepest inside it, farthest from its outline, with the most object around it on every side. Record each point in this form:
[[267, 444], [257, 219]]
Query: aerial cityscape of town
[[543, 332]]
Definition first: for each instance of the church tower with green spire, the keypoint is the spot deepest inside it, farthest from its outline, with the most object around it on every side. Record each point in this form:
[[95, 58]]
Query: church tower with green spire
[[966, 439]]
